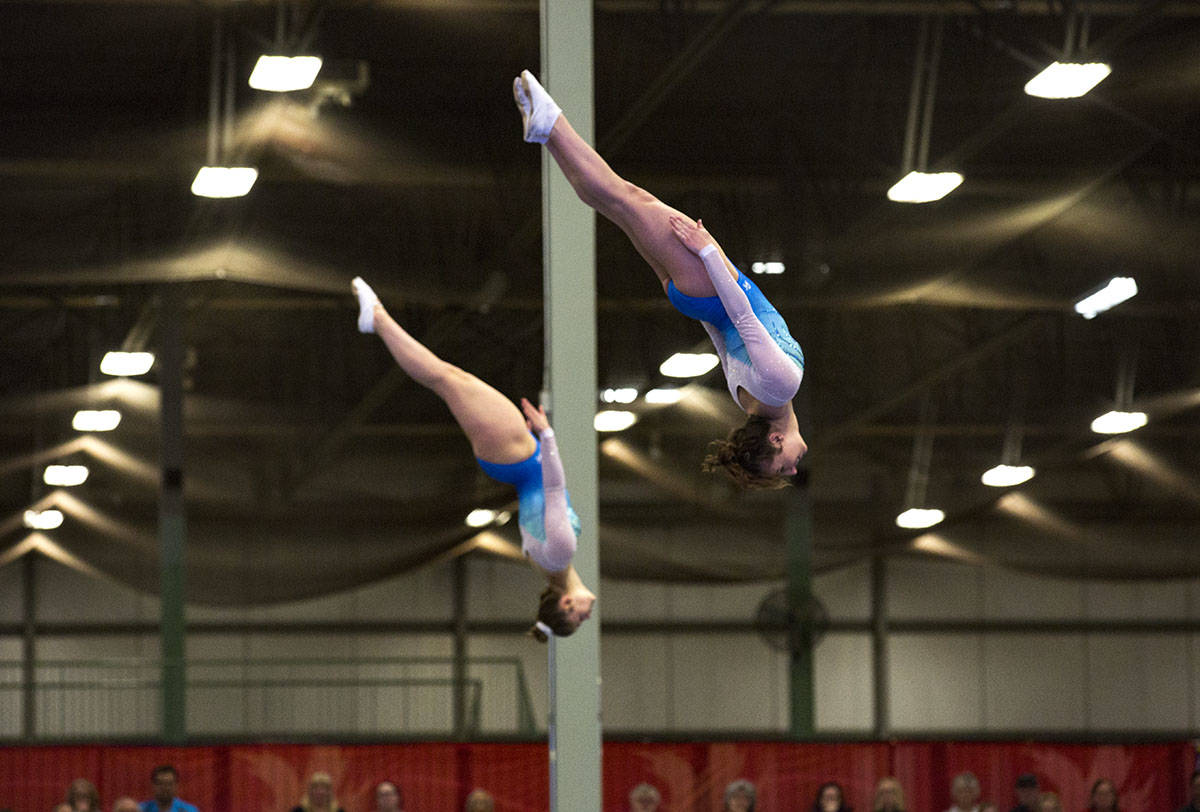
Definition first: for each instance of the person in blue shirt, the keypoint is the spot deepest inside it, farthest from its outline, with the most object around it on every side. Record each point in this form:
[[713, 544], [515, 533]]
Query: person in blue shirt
[[166, 780]]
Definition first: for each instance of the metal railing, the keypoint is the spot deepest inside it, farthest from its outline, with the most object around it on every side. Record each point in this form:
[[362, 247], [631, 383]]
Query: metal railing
[[120, 698]]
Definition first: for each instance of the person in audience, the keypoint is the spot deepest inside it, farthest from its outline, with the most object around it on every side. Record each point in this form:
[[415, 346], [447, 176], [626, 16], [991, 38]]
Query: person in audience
[[965, 792], [82, 796], [388, 797], [1048, 802], [644, 798], [63, 807], [889, 796], [319, 796], [830, 798], [1027, 790], [480, 801], [1193, 804], [165, 781], [125, 804], [740, 796], [1104, 796]]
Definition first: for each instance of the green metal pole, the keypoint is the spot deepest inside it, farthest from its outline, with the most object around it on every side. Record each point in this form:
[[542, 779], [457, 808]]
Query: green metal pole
[[172, 524], [569, 257], [799, 589]]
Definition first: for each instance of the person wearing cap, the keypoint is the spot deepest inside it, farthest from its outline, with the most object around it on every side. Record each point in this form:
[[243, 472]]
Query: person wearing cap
[[1027, 793]]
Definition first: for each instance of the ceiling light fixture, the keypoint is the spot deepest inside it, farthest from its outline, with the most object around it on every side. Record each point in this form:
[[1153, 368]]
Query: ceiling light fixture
[[664, 396], [1112, 293], [924, 187], [96, 420], [613, 420], [284, 74], [919, 518], [625, 394], [1115, 422], [1067, 80], [65, 476], [688, 364], [1006, 476], [768, 268], [480, 517], [43, 519], [120, 364]]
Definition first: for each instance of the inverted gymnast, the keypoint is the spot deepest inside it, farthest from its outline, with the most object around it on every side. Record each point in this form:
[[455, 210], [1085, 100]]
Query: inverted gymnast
[[762, 363], [517, 450]]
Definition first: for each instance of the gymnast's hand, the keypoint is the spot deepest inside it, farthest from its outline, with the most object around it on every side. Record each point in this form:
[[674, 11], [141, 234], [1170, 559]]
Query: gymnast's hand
[[535, 418], [692, 235]]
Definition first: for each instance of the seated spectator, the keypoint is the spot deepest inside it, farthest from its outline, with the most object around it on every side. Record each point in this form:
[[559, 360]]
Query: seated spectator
[[1027, 790], [644, 798], [480, 801], [319, 797], [889, 796], [830, 798], [740, 796], [82, 796], [1048, 802], [965, 792], [165, 780], [1193, 804], [125, 804], [1104, 796], [388, 797]]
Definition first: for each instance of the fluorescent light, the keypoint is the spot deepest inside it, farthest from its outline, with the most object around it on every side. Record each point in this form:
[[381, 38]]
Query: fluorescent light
[[688, 364], [1118, 422], [766, 267], [126, 363], [613, 420], [664, 395], [43, 519], [1067, 80], [96, 420], [924, 187], [480, 517], [282, 74], [224, 181], [917, 518], [1005, 476], [624, 395], [65, 476], [1118, 289]]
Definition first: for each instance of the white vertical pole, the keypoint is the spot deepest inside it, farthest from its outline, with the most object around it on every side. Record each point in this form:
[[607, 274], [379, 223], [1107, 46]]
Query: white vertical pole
[[569, 256]]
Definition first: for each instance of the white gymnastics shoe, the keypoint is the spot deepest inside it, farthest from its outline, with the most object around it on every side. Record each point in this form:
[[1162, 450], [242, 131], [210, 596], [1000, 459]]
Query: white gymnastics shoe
[[366, 304], [538, 110]]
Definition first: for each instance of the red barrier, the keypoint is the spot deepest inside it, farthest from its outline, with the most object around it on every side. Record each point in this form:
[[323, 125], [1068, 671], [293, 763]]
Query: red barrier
[[436, 777]]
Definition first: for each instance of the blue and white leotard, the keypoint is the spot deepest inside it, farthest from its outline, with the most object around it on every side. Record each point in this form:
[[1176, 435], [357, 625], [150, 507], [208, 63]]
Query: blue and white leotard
[[752, 340], [548, 524]]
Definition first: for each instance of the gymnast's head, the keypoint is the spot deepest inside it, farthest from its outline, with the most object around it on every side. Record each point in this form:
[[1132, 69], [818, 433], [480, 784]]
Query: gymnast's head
[[562, 612], [758, 455]]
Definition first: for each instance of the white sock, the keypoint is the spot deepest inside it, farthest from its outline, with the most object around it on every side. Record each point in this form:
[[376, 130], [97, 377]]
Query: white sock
[[542, 113], [366, 304]]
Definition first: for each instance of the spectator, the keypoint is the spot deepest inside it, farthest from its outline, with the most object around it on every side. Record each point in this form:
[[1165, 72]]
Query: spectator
[[125, 804], [830, 798], [1104, 796], [1048, 802], [889, 796], [1193, 804], [1027, 793], [644, 798], [82, 796], [319, 797], [965, 792], [740, 796], [165, 780], [388, 797], [63, 807], [480, 801]]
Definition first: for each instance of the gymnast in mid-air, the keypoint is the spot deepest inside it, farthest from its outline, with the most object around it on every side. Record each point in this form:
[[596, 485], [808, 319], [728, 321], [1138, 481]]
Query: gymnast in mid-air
[[762, 363], [511, 448]]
